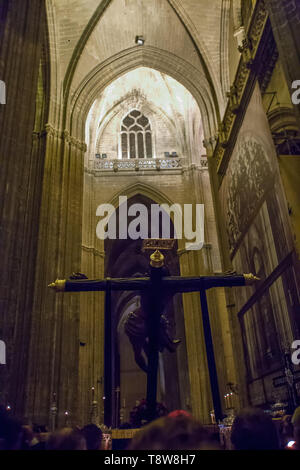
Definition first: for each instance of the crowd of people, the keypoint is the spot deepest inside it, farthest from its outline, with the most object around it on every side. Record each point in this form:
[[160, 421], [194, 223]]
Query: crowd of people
[[252, 429]]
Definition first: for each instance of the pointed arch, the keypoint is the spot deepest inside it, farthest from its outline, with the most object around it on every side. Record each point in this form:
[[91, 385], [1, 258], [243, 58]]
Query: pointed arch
[[141, 188], [144, 106], [82, 43], [153, 194], [185, 21], [78, 106]]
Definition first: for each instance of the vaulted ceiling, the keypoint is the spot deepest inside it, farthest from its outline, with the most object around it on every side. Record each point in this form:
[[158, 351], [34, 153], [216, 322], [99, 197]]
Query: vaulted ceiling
[[86, 33]]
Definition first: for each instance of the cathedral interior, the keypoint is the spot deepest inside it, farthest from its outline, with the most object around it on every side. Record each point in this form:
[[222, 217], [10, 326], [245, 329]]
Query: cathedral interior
[[162, 102]]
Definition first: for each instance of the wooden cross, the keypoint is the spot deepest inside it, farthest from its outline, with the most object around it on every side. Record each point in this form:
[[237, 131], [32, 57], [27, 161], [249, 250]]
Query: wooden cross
[[154, 285]]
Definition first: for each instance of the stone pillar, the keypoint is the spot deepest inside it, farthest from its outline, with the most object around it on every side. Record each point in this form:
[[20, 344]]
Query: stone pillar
[[91, 359], [54, 339], [285, 21], [91, 363], [201, 402], [221, 324], [227, 312], [22, 25]]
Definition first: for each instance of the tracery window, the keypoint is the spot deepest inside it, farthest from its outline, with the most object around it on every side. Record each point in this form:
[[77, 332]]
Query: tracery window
[[136, 136]]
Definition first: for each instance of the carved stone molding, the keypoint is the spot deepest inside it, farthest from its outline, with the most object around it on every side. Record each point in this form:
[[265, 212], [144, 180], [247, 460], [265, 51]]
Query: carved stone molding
[[233, 99], [210, 144], [50, 130], [282, 118], [251, 63], [132, 166], [246, 49]]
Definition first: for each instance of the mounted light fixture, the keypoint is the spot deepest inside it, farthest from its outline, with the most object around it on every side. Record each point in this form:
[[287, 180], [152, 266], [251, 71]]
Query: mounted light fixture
[[139, 40]]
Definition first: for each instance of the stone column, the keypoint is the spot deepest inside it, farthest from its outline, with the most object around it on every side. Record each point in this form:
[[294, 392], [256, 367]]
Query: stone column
[[229, 326], [91, 363], [54, 339], [201, 402], [221, 323], [22, 25]]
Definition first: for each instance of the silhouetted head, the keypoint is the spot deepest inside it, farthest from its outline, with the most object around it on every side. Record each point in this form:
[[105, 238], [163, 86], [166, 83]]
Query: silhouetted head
[[66, 439], [174, 433], [253, 429], [11, 431]]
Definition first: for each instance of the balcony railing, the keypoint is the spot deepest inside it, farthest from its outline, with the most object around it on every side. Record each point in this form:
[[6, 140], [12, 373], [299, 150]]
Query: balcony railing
[[139, 164]]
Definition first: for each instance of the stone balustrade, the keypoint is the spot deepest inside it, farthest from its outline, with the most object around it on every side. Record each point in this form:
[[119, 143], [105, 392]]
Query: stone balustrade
[[138, 164]]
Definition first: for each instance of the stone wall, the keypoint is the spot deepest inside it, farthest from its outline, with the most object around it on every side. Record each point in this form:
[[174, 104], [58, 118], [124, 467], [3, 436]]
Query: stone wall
[[260, 239], [22, 28]]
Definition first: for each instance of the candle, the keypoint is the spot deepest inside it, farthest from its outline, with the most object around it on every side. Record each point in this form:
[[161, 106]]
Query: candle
[[227, 400], [93, 393]]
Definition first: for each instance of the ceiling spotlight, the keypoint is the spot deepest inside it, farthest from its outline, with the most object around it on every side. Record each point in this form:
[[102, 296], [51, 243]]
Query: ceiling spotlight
[[139, 40]]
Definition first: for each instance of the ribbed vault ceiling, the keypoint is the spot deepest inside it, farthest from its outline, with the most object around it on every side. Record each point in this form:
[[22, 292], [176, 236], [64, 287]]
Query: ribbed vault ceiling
[[91, 31]]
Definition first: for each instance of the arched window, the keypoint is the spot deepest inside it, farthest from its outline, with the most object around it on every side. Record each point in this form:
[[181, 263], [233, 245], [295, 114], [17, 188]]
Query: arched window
[[136, 136]]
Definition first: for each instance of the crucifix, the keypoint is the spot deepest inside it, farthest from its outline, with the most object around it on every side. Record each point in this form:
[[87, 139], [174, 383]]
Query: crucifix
[[154, 286]]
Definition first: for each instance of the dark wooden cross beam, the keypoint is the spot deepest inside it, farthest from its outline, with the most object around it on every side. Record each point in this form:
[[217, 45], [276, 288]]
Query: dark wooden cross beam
[[155, 284]]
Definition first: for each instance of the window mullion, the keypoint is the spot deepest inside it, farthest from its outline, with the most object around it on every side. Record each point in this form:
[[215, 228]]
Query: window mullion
[[142, 126], [136, 145], [144, 142]]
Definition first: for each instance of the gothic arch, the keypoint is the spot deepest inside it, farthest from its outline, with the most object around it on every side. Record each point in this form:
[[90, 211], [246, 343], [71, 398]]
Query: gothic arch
[[185, 20], [148, 191], [140, 188], [82, 43], [78, 106]]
